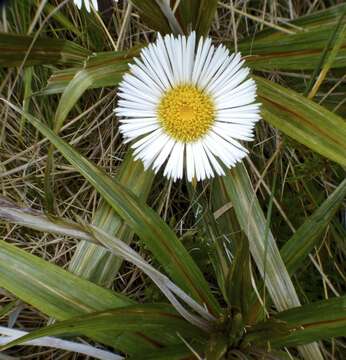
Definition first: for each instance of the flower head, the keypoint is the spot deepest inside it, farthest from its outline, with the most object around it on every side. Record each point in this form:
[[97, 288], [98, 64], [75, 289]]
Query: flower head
[[187, 106], [87, 4]]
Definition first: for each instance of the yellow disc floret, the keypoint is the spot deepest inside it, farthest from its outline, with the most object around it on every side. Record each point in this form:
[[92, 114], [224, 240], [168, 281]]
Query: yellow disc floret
[[186, 113]]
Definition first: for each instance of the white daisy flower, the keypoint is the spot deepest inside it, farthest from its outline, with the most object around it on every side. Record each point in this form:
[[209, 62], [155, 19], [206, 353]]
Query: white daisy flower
[[87, 4], [187, 106]]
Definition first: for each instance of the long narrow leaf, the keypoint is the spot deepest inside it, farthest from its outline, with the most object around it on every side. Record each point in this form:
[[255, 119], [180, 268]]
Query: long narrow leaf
[[59, 294], [101, 70], [38, 221], [303, 120], [312, 322], [94, 262], [151, 13], [272, 49], [135, 318], [238, 187], [9, 334], [14, 48], [297, 248], [156, 234]]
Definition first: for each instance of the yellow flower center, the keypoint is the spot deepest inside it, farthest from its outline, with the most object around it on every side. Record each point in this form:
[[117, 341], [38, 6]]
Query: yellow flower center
[[186, 113]]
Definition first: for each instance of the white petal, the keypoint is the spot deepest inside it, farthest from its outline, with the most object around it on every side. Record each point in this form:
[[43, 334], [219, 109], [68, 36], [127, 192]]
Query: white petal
[[162, 157], [131, 96], [232, 84], [164, 58], [139, 121], [208, 171], [149, 153], [135, 113], [215, 164], [200, 171], [171, 166], [235, 131], [206, 64], [229, 72], [153, 67], [138, 105], [146, 139], [78, 3], [169, 41], [135, 131], [220, 56], [190, 55], [145, 78], [247, 87], [95, 5], [87, 5], [202, 51], [140, 85]]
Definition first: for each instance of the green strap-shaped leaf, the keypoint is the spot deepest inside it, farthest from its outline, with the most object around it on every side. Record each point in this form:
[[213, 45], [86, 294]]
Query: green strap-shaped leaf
[[312, 322], [144, 221], [135, 318], [297, 248], [94, 262], [62, 295], [263, 248], [271, 49], [100, 70], [151, 13], [58, 81], [175, 352], [303, 120], [238, 187], [15, 48], [239, 279], [24, 274], [206, 14], [187, 14]]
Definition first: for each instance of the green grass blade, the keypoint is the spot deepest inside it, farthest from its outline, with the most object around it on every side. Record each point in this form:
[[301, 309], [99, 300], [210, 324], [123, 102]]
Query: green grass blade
[[170, 353], [251, 218], [315, 20], [135, 318], [62, 19], [301, 51], [313, 322], [264, 251], [38, 221], [93, 262], [144, 221], [14, 49], [100, 70], [167, 11], [303, 120], [332, 47], [187, 14], [62, 295], [206, 13], [239, 279], [98, 67], [152, 15], [297, 248], [56, 292], [58, 81]]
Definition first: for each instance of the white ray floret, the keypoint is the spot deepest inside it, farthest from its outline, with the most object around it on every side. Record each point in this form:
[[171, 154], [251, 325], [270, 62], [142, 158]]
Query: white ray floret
[[187, 106], [87, 3]]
